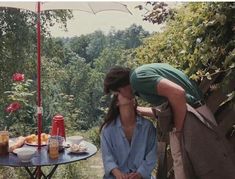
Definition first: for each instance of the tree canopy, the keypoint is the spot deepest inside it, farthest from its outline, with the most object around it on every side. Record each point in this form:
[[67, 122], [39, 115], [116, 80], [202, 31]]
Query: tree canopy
[[198, 39]]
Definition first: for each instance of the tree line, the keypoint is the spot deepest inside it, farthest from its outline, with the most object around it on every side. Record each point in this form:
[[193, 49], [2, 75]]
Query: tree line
[[198, 38]]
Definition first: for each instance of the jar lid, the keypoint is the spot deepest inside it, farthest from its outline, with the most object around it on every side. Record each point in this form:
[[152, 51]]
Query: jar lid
[[58, 116]]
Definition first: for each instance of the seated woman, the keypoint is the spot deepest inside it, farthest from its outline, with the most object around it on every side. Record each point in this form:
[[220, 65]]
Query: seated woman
[[128, 142]]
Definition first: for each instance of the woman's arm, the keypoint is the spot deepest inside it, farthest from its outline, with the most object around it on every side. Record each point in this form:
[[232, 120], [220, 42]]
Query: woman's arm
[[110, 166], [149, 163], [107, 157]]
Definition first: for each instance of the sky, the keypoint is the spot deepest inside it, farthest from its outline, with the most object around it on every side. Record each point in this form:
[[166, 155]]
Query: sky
[[85, 23]]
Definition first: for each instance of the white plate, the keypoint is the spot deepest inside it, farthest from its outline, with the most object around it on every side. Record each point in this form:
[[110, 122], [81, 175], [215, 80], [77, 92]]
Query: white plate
[[79, 149], [77, 152], [35, 143]]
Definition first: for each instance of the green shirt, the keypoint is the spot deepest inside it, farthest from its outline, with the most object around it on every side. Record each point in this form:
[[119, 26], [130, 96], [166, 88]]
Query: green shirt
[[145, 78]]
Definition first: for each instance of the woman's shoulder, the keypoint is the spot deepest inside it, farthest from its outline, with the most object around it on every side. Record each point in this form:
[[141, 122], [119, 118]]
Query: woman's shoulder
[[109, 127], [145, 121]]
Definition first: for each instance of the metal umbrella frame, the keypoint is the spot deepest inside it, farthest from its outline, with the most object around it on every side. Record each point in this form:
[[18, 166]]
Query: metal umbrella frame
[[91, 7]]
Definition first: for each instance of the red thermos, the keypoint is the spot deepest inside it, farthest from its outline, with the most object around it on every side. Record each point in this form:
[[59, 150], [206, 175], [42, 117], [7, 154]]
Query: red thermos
[[58, 126]]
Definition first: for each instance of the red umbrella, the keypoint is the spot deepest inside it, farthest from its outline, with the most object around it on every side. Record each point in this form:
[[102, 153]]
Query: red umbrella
[[91, 7]]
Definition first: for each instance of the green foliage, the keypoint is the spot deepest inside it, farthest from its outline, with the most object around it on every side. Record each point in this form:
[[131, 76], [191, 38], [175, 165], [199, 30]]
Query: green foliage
[[130, 38], [76, 67], [200, 40], [61, 87], [21, 121], [18, 44], [79, 46], [21, 92], [90, 47], [93, 135], [96, 45], [72, 75], [18, 39]]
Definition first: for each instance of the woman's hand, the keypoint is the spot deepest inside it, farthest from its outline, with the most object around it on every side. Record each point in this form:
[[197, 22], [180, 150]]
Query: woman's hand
[[118, 174], [134, 175]]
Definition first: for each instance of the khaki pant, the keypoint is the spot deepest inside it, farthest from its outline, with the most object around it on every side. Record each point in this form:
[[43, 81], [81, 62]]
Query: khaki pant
[[176, 155], [175, 143]]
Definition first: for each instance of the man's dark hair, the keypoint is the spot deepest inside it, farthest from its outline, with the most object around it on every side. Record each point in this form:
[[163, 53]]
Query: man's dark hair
[[116, 77]]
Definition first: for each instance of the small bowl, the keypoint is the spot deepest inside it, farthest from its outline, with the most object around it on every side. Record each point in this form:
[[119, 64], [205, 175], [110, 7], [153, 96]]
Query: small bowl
[[74, 139], [25, 154]]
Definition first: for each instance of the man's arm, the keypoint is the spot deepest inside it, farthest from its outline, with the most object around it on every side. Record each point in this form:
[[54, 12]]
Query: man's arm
[[145, 111], [177, 99]]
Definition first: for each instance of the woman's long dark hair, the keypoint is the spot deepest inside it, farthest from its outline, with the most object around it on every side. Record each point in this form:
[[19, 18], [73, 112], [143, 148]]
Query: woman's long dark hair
[[116, 77], [113, 112]]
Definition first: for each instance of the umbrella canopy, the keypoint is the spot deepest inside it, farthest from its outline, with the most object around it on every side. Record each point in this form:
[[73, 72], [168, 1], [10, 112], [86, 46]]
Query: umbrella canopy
[[91, 7], [37, 7]]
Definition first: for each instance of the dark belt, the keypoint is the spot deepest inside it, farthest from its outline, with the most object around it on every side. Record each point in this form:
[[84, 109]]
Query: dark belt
[[198, 104]]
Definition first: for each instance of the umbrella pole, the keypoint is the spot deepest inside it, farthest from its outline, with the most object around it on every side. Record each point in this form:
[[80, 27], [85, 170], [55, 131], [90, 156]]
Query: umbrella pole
[[39, 102], [39, 110]]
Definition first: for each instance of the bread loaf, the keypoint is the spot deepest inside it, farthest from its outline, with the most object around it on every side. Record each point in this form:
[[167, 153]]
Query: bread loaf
[[17, 144]]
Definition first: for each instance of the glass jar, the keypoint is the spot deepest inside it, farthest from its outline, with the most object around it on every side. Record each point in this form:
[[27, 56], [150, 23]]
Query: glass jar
[[53, 148], [4, 142]]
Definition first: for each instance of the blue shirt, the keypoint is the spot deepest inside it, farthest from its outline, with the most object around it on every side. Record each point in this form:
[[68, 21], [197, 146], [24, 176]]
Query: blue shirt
[[139, 156]]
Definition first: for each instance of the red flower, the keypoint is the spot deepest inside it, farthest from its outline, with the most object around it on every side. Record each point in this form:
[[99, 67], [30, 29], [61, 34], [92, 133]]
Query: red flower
[[13, 107], [18, 77]]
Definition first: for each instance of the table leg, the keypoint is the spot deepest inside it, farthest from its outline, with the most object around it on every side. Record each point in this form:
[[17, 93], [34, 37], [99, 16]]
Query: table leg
[[43, 175], [32, 175], [38, 173], [52, 172], [34, 172]]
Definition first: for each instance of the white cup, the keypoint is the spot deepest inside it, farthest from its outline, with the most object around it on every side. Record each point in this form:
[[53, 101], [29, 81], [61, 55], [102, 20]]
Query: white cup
[[74, 139]]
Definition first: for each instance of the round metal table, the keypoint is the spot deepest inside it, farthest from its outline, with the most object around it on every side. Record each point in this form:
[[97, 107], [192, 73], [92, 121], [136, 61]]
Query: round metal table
[[41, 158]]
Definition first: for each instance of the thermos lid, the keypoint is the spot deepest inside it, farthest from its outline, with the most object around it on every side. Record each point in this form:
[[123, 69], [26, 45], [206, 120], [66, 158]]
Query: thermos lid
[[58, 117]]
